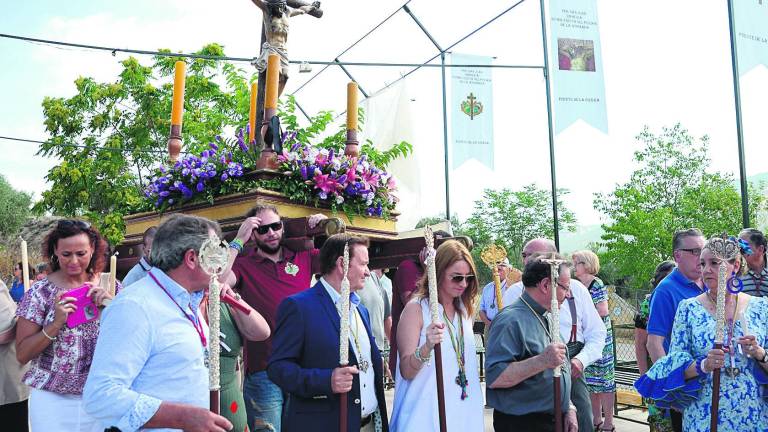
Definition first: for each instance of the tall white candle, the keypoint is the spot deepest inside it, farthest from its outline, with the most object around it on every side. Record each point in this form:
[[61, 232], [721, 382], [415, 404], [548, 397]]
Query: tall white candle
[[24, 265]]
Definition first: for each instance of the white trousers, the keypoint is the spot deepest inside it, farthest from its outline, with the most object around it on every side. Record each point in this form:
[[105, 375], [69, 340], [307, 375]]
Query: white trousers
[[53, 412]]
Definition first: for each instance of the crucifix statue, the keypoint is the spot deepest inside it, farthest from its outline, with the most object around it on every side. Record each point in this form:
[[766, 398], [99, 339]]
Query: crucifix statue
[[275, 31]]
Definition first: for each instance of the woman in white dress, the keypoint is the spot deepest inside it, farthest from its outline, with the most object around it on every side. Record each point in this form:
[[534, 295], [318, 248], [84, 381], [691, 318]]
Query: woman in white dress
[[415, 405]]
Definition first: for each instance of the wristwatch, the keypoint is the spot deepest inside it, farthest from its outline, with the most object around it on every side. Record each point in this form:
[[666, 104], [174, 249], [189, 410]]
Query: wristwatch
[[765, 356]]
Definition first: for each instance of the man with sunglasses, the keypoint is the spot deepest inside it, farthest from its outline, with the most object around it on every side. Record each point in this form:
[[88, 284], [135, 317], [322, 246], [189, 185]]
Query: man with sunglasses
[[684, 282], [585, 333], [265, 275]]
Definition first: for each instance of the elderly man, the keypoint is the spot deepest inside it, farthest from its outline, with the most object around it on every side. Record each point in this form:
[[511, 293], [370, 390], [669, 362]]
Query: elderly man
[[142, 267], [589, 329], [684, 282], [488, 304], [305, 355], [521, 357], [149, 369]]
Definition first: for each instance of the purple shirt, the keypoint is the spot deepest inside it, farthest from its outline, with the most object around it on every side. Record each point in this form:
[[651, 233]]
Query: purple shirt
[[63, 365], [404, 284], [263, 284]]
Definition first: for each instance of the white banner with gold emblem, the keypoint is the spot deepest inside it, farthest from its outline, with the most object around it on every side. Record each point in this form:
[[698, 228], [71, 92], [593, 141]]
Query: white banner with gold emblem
[[471, 110]]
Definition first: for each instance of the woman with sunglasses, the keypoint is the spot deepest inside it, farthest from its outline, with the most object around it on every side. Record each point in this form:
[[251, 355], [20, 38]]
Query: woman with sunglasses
[[415, 405], [683, 378], [59, 354]]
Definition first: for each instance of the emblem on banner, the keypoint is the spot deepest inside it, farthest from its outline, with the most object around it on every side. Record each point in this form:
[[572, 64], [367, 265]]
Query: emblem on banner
[[471, 106]]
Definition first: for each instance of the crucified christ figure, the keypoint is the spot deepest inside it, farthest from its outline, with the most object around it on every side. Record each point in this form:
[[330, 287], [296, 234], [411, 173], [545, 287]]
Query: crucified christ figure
[[276, 14]]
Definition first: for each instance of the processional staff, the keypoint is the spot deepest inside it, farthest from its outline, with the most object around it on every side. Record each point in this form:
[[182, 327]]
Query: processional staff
[[344, 335], [429, 238], [492, 256], [214, 255], [725, 251], [554, 332]]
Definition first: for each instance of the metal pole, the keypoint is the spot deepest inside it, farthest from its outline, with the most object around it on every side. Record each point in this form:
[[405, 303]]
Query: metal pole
[[445, 110], [445, 145], [549, 124], [739, 129]]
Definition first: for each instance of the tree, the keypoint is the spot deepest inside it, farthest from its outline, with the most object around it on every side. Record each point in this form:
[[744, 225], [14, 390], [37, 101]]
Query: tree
[[110, 135], [14, 209], [510, 218], [669, 190]]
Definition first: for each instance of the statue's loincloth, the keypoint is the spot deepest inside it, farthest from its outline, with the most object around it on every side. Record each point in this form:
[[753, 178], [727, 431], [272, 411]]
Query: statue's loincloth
[[266, 50]]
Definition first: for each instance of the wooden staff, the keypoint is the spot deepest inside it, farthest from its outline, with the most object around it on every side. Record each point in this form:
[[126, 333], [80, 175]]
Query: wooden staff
[[214, 255], [725, 250], [344, 336], [492, 256], [554, 332], [429, 238]]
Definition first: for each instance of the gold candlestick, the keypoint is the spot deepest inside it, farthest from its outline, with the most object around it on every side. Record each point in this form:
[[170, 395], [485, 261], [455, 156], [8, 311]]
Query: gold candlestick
[[492, 256]]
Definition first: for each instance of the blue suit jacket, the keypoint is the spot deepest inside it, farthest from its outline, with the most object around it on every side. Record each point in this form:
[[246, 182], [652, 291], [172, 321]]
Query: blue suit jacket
[[305, 350]]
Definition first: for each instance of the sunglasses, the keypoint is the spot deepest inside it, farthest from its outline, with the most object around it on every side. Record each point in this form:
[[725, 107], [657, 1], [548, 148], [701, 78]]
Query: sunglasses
[[461, 278], [66, 223], [263, 229]]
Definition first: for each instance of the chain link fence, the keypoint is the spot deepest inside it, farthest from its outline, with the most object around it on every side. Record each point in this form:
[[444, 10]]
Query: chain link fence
[[624, 305]]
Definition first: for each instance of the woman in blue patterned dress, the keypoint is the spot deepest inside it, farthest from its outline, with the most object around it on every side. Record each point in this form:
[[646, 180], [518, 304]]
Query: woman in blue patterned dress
[[600, 374], [683, 378]]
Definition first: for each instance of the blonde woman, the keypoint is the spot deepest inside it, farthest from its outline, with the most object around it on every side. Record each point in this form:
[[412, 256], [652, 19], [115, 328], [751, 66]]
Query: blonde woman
[[600, 374], [415, 405]]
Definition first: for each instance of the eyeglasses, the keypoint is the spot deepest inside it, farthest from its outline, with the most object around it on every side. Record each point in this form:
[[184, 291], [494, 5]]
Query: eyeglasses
[[563, 287], [66, 223], [692, 251], [263, 229], [461, 278], [526, 254]]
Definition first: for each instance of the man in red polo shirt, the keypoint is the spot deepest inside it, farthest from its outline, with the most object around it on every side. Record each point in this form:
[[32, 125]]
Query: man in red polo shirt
[[264, 276]]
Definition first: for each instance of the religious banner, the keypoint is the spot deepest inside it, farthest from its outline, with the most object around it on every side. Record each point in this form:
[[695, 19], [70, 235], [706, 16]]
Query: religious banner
[[471, 110], [576, 65], [751, 33]]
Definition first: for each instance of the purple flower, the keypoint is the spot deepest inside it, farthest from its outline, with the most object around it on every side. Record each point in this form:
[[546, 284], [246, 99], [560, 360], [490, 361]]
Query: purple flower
[[218, 138], [224, 177], [164, 193], [304, 172], [214, 147], [242, 145], [200, 186]]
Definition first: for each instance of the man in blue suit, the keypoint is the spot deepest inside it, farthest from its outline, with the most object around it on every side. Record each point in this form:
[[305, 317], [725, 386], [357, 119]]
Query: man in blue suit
[[305, 350]]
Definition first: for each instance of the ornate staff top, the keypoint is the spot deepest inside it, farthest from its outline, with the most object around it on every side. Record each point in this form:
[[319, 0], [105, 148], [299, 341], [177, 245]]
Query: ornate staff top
[[492, 256], [554, 321], [344, 311], [725, 250], [429, 239], [214, 254]]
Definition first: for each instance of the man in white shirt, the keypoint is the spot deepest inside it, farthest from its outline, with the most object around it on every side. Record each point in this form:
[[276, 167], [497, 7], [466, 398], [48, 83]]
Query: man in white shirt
[[590, 330]]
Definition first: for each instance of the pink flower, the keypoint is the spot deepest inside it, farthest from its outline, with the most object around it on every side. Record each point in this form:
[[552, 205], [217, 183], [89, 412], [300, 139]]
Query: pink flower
[[325, 183], [370, 180]]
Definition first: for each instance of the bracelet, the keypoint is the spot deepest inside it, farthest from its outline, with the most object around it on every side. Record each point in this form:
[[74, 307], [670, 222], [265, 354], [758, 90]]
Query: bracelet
[[700, 366], [237, 245], [421, 359], [46, 334]]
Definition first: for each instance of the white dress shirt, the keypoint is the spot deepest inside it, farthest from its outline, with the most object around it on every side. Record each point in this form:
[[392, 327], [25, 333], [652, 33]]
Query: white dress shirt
[[589, 326], [368, 401]]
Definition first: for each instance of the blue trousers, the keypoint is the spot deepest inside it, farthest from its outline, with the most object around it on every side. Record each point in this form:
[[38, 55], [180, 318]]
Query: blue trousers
[[263, 402]]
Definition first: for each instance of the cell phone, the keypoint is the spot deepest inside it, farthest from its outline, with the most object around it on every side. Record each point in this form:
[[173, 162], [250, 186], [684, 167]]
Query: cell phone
[[86, 308]]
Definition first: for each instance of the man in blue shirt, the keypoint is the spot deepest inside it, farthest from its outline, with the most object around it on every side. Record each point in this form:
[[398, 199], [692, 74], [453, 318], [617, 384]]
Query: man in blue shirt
[[149, 369], [684, 282], [488, 305], [142, 267]]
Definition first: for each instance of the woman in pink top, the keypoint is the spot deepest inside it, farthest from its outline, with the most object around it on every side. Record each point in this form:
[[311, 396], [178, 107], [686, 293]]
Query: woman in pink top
[[60, 356]]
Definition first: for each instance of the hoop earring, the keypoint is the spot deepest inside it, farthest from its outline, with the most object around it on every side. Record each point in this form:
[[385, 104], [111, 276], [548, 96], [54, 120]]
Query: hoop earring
[[54, 259], [734, 284]]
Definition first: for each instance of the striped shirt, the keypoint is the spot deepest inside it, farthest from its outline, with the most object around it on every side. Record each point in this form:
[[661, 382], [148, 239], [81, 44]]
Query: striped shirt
[[756, 285]]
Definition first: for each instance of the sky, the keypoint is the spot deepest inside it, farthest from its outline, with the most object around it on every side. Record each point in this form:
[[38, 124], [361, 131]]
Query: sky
[[664, 62]]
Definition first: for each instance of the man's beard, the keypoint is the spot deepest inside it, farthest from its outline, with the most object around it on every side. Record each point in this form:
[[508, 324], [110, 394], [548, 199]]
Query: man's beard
[[266, 248]]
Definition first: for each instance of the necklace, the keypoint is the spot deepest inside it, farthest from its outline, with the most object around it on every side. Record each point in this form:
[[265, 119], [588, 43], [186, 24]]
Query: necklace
[[192, 319], [363, 363], [457, 340], [758, 282], [538, 317]]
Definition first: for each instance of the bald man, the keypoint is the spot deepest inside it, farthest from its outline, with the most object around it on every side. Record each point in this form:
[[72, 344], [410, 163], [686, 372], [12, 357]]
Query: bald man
[[590, 330]]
